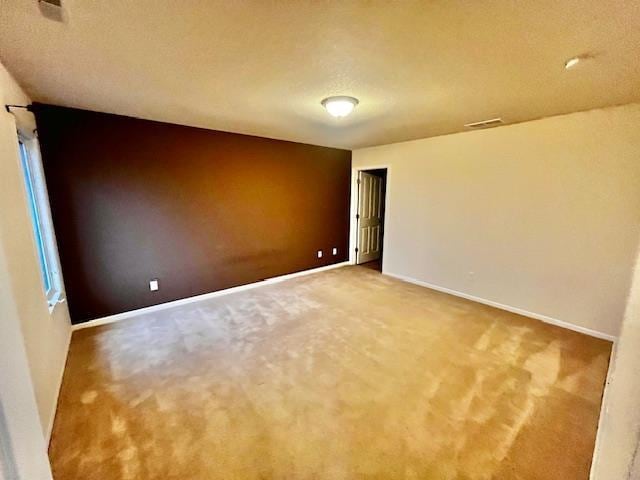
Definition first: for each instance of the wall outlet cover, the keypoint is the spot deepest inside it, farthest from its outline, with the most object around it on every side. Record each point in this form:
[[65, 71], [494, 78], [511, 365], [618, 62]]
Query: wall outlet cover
[[153, 285], [319, 253], [335, 251]]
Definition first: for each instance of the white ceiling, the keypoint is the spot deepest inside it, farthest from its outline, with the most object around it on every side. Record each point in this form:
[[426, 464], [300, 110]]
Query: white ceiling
[[419, 68]]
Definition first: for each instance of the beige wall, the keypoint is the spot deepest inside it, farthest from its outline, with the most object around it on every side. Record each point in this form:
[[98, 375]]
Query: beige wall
[[23, 449], [46, 336], [543, 216], [618, 444]]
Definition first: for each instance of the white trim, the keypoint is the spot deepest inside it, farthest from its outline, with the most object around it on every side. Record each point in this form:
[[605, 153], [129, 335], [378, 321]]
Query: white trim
[[353, 224], [184, 301], [508, 308], [603, 410], [59, 389]]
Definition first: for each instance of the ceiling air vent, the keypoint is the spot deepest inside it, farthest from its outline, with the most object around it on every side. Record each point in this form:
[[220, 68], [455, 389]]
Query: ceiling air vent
[[52, 9], [494, 122]]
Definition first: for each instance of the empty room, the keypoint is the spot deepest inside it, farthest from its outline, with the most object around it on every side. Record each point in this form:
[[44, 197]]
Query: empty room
[[319, 240]]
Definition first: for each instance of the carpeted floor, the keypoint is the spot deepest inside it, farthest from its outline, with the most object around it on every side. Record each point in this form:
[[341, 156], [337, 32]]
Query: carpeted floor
[[344, 374]]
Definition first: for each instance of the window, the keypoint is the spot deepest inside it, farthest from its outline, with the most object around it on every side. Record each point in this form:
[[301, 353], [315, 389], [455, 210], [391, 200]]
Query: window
[[38, 205]]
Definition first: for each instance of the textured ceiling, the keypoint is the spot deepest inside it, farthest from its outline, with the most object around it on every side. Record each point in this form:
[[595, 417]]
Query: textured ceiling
[[419, 68]]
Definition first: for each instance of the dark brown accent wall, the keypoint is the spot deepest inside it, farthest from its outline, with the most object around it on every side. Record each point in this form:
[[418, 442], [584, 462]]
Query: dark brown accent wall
[[200, 210]]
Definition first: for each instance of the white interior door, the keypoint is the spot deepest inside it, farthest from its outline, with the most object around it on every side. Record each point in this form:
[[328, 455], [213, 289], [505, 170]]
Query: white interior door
[[369, 217]]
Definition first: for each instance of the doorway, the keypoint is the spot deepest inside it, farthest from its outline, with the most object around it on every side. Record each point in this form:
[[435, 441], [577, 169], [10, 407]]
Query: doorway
[[372, 189]]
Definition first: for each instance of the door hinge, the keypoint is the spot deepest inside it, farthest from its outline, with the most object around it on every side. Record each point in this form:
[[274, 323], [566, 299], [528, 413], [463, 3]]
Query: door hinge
[[357, 216], [356, 249], [358, 181]]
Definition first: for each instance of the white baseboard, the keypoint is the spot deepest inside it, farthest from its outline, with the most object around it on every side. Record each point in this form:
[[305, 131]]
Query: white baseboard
[[184, 301], [270, 281], [508, 308], [59, 388]]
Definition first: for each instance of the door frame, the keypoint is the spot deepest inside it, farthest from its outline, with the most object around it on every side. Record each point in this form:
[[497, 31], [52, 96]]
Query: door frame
[[353, 223]]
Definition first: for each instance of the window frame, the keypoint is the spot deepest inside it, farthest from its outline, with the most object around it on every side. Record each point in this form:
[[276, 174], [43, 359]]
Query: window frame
[[41, 223]]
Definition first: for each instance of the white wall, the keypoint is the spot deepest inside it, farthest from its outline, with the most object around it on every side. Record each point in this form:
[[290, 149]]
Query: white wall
[[546, 214], [618, 442], [46, 336]]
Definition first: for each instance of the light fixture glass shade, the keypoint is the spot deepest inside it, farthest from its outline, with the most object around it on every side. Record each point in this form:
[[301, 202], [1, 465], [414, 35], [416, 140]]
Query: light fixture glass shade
[[572, 62], [339, 106]]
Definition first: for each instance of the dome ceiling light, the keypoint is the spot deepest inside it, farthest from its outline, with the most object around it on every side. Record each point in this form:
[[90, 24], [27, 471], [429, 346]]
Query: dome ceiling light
[[339, 106], [574, 61]]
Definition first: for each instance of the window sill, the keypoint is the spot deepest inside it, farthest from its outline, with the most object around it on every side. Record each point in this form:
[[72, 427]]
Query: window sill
[[56, 299]]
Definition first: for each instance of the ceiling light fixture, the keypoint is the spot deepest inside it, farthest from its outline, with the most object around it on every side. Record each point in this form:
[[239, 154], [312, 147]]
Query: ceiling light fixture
[[339, 106], [572, 62], [493, 122]]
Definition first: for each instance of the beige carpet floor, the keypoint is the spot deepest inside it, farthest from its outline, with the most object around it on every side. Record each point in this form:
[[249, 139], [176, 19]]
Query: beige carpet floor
[[344, 374]]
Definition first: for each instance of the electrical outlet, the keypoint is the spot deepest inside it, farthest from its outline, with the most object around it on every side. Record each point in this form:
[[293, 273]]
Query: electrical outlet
[[319, 253], [153, 285], [335, 251]]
